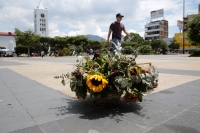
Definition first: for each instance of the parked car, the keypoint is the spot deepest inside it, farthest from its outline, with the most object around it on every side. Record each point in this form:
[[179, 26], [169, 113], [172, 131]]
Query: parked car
[[23, 55], [34, 54]]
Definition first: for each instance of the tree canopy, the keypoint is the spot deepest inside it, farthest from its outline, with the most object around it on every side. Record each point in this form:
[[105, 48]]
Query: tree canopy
[[174, 45], [27, 39], [194, 30]]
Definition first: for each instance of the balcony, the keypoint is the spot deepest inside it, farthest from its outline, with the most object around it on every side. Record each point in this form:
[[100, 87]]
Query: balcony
[[153, 35], [152, 24], [146, 30]]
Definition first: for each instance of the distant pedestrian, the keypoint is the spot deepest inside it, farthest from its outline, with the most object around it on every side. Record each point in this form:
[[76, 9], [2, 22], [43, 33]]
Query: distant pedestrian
[[42, 53], [91, 51]]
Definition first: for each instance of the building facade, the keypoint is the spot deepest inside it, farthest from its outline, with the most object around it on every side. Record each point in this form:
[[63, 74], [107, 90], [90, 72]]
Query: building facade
[[41, 20], [7, 40], [179, 39], [156, 30]]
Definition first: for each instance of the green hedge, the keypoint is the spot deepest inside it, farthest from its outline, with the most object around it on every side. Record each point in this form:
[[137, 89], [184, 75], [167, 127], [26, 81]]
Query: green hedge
[[1, 47], [195, 53], [64, 52]]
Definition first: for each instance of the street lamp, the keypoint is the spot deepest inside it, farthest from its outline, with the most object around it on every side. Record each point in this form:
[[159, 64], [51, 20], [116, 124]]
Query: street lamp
[[183, 27], [185, 20]]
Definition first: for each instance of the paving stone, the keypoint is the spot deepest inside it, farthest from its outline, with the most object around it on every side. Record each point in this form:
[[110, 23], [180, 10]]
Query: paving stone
[[28, 89], [146, 114], [179, 72], [9, 63], [196, 108], [96, 121], [183, 96], [186, 122], [14, 119], [34, 129], [41, 96], [8, 102], [5, 92]]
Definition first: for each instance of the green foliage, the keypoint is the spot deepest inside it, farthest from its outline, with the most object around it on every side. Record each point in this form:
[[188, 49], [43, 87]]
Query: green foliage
[[19, 49], [1, 47], [174, 45], [121, 74], [195, 53], [27, 39], [194, 30], [95, 45], [145, 49], [134, 37], [72, 47], [128, 50], [63, 52], [159, 46]]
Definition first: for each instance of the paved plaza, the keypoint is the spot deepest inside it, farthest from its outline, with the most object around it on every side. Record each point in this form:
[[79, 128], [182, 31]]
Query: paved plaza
[[32, 101]]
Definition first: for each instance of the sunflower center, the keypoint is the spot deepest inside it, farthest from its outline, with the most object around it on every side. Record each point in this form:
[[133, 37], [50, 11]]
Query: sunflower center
[[96, 82]]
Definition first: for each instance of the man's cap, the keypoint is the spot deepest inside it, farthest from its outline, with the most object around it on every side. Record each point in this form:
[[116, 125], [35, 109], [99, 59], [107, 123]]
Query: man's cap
[[119, 15]]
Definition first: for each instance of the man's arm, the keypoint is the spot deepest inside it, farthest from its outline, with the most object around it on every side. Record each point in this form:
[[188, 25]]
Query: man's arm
[[109, 32], [128, 34]]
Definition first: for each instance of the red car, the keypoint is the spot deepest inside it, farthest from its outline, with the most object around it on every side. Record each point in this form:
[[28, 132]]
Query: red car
[[34, 54]]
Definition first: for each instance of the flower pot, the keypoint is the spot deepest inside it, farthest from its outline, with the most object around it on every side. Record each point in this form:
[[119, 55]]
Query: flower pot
[[113, 98]]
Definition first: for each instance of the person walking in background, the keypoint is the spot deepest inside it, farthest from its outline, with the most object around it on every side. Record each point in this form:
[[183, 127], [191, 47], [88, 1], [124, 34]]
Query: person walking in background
[[91, 51], [42, 53], [116, 29]]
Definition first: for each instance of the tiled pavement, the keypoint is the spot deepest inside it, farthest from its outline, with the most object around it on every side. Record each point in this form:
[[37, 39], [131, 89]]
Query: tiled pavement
[[27, 106]]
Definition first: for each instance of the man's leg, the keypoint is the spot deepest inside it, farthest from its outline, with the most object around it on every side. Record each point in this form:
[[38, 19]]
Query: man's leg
[[115, 40]]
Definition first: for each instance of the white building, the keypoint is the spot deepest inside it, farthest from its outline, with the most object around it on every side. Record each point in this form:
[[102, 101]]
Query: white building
[[7, 40], [41, 20], [156, 30]]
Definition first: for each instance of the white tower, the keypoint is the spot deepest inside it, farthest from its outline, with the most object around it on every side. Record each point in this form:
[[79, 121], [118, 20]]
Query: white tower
[[41, 20]]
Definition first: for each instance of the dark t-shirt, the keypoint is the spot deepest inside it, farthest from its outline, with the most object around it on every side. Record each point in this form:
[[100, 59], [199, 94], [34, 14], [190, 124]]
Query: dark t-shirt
[[117, 30]]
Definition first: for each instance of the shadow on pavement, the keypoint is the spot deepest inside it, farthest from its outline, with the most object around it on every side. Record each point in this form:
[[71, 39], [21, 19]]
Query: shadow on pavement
[[85, 109]]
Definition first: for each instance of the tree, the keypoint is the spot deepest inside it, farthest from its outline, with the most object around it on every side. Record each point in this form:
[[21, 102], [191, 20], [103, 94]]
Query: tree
[[159, 46], [134, 37], [95, 45], [174, 45], [145, 49], [80, 41], [194, 30], [27, 39], [128, 50], [1, 47]]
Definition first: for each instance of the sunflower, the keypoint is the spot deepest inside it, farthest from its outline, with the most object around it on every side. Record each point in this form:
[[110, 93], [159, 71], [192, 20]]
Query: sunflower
[[134, 71], [143, 69], [96, 83]]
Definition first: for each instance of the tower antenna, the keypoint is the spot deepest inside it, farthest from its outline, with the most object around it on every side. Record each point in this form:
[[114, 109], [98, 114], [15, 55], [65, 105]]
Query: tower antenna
[[39, 3]]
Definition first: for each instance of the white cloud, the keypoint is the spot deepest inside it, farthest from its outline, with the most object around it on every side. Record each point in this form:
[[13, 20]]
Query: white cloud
[[77, 17], [54, 31]]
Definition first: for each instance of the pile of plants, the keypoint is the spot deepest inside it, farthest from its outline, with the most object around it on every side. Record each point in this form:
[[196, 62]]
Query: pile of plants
[[105, 74]]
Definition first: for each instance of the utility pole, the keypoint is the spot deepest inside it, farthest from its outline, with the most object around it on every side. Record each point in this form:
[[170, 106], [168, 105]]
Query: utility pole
[[183, 26]]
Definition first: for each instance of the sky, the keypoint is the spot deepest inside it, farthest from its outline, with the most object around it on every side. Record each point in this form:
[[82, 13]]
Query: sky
[[81, 17]]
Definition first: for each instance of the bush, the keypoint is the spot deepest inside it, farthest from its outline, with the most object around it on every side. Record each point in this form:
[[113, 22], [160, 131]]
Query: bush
[[145, 49], [1, 47], [64, 52], [195, 53], [128, 50], [19, 49]]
